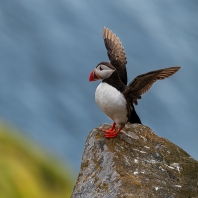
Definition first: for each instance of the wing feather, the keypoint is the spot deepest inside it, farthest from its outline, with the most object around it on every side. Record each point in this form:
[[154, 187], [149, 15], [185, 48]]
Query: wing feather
[[142, 83], [116, 53]]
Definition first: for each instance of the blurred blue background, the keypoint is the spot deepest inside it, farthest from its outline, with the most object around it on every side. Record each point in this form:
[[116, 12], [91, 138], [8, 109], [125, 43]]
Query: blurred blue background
[[48, 49]]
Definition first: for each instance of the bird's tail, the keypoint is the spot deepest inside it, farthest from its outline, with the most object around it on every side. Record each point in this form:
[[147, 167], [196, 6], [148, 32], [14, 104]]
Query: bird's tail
[[134, 118]]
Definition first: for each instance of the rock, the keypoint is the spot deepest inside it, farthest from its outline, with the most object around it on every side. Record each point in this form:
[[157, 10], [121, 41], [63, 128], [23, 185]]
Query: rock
[[135, 164]]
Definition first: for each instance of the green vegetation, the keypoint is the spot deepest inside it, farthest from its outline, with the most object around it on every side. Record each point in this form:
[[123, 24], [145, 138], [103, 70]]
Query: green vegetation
[[28, 172]]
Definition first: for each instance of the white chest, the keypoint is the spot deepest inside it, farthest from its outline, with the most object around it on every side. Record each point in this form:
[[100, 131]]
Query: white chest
[[111, 102]]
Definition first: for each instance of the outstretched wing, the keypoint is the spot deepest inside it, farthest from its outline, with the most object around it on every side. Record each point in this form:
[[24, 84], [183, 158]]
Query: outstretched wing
[[115, 53], [142, 83]]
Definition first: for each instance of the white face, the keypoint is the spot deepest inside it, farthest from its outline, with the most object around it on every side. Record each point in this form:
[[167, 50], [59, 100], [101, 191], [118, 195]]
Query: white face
[[103, 71]]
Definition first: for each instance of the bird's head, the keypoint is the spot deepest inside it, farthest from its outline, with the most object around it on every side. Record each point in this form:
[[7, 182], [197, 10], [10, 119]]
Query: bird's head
[[102, 71]]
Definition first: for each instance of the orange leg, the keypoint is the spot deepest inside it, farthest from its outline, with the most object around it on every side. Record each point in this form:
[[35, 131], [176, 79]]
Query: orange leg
[[112, 129]]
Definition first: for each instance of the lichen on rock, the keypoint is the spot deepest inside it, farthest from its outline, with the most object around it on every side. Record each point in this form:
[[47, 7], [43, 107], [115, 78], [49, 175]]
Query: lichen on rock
[[137, 163]]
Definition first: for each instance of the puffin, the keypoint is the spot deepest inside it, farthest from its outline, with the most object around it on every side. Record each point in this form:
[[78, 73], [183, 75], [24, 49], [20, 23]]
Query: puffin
[[113, 96]]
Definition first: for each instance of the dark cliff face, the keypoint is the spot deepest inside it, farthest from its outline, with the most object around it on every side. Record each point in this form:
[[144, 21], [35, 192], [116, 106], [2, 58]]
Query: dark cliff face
[[137, 163]]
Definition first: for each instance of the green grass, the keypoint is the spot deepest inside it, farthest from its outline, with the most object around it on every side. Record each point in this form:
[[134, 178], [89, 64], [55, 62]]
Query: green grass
[[26, 171]]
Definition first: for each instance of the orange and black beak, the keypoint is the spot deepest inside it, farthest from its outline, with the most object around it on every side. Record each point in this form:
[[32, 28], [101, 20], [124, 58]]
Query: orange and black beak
[[93, 76]]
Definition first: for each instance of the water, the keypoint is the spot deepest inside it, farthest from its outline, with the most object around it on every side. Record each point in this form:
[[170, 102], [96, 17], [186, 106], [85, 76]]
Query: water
[[48, 49]]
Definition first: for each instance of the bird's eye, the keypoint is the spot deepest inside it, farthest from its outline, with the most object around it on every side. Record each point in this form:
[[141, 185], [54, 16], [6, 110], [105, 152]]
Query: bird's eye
[[100, 68]]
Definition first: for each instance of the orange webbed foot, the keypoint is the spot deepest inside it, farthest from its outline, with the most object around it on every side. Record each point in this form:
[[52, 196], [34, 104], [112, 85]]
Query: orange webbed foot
[[113, 134]]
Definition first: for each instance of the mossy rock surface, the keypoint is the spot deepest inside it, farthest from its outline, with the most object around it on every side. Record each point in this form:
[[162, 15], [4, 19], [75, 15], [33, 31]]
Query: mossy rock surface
[[28, 172], [135, 164]]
